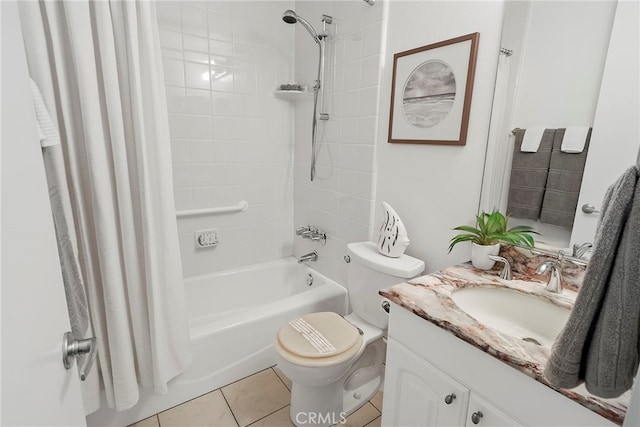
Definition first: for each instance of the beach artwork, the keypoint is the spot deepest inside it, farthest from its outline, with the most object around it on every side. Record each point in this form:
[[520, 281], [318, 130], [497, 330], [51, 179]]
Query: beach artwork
[[428, 94], [431, 88]]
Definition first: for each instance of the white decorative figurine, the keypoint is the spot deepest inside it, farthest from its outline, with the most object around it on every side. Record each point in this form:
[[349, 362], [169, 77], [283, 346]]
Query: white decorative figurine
[[393, 240]]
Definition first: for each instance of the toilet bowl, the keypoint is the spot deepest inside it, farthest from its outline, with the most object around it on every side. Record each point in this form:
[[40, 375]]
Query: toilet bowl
[[336, 363]]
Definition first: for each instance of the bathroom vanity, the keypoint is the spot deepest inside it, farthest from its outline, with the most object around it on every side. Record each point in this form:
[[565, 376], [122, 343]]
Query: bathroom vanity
[[445, 368]]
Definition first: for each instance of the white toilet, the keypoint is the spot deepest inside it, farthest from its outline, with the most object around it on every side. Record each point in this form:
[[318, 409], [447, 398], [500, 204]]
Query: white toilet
[[335, 363]]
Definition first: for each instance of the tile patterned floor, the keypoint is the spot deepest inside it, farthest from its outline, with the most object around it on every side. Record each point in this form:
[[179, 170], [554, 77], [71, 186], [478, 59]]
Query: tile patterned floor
[[260, 400]]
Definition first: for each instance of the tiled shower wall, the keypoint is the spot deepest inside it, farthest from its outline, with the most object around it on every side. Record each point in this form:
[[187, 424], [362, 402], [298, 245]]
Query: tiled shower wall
[[231, 138], [340, 200]]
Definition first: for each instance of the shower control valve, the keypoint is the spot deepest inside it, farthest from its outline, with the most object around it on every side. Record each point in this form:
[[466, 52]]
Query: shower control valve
[[312, 233], [301, 230]]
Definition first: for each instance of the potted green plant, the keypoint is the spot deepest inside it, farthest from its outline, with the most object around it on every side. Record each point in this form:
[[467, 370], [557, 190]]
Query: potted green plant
[[491, 229]]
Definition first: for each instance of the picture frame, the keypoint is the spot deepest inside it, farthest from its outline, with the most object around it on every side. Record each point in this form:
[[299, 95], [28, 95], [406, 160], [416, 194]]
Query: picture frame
[[431, 90]]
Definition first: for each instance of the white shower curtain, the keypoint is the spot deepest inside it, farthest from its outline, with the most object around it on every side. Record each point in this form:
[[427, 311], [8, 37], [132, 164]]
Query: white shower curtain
[[98, 66]]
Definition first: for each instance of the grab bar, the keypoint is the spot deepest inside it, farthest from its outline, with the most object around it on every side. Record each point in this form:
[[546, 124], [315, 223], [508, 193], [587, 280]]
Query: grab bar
[[240, 207]]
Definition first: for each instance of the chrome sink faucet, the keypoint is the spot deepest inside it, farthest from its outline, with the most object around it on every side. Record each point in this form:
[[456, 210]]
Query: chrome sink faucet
[[555, 275], [580, 250], [506, 270], [311, 256]]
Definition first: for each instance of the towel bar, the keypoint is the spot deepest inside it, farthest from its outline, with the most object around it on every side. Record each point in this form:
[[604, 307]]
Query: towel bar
[[242, 206]]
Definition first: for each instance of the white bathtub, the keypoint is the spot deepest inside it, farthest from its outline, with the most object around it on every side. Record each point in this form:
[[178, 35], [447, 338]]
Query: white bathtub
[[234, 317]]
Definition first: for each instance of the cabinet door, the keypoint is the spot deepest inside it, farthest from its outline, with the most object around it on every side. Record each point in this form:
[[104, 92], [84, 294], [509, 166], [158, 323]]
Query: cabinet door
[[418, 394], [482, 413]]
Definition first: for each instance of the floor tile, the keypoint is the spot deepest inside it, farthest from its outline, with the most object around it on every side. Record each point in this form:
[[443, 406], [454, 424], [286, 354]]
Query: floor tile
[[256, 396], [277, 419], [282, 376], [376, 400], [375, 423], [209, 410], [362, 416], [147, 422]]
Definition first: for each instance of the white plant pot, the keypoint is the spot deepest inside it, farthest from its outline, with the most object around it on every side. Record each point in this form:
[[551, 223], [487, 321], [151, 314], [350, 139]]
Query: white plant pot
[[480, 255]]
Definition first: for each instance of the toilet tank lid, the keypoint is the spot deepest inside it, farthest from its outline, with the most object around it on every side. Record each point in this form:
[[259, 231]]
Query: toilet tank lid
[[404, 266]]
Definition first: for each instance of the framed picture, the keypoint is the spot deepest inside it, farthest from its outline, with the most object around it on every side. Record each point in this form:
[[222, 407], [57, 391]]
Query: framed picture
[[431, 92]]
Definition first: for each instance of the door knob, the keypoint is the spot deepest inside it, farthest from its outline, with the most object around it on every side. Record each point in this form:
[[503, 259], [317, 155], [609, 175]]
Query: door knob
[[589, 208], [73, 348], [449, 398]]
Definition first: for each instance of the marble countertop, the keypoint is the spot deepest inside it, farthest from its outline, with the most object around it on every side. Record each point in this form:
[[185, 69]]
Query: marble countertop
[[429, 297]]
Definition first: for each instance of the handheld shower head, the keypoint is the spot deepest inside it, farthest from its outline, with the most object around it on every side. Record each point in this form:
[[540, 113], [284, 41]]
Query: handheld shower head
[[290, 17]]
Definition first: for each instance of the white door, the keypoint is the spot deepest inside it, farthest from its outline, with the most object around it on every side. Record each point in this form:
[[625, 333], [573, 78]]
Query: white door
[[418, 394], [616, 134], [36, 389]]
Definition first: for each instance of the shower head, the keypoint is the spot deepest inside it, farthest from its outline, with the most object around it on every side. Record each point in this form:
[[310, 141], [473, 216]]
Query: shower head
[[290, 17]]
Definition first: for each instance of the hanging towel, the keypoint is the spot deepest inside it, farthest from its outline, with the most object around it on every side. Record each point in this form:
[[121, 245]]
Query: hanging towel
[[600, 341], [575, 138], [529, 176], [563, 183], [62, 217], [532, 139], [47, 131]]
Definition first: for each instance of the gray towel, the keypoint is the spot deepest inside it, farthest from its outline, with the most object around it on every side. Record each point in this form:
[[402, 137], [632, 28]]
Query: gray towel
[[600, 342], [61, 208], [62, 216], [563, 183], [529, 176]]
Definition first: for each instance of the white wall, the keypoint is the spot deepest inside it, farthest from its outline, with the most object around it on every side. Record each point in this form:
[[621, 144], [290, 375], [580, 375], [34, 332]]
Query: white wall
[[341, 197], [563, 59], [435, 188], [231, 138]]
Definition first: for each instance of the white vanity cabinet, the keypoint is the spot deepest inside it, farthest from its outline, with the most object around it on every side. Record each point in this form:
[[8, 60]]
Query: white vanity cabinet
[[418, 394], [426, 364]]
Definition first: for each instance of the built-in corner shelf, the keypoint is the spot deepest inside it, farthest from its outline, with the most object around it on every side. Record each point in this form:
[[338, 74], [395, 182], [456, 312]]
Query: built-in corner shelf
[[291, 95]]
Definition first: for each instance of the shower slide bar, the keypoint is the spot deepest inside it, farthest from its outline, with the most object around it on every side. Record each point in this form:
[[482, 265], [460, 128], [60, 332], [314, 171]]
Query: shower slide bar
[[240, 207]]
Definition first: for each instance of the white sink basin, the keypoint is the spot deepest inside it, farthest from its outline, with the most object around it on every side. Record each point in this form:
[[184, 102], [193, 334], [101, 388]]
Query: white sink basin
[[513, 313]]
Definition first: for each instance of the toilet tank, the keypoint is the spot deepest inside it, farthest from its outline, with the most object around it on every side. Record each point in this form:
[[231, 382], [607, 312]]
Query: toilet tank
[[370, 272]]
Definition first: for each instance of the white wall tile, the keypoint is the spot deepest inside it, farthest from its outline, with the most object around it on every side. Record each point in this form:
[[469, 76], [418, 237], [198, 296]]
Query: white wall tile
[[195, 43], [223, 79], [352, 75], [176, 99], [340, 201], [353, 46], [178, 126], [232, 139], [194, 20], [168, 13], [170, 39], [370, 71], [180, 151], [197, 101], [220, 26], [173, 72], [371, 40], [196, 75]]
